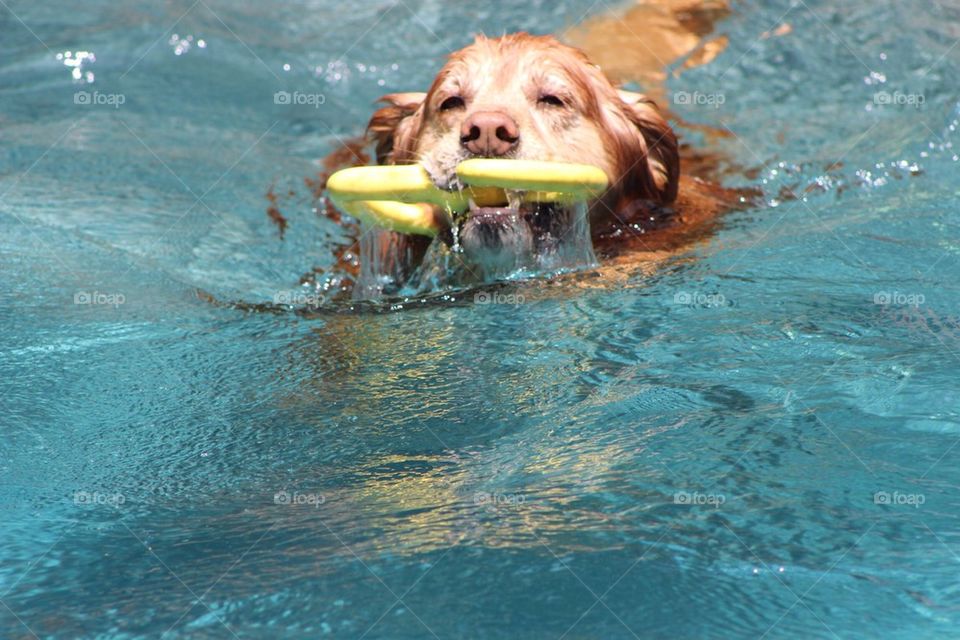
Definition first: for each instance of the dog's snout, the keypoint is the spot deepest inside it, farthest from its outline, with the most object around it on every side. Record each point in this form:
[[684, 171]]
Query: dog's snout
[[489, 133]]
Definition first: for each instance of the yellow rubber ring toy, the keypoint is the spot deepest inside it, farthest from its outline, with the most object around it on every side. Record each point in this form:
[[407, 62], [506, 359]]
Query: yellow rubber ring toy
[[398, 197], [395, 216], [576, 181]]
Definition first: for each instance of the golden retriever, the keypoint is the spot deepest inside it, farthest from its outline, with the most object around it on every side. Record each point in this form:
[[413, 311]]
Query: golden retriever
[[533, 97], [530, 98]]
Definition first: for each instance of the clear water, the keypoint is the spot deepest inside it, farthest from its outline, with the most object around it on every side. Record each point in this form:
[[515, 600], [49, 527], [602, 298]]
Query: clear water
[[696, 453]]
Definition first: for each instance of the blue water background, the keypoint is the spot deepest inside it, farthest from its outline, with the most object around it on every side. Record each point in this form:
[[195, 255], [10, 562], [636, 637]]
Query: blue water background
[[758, 440]]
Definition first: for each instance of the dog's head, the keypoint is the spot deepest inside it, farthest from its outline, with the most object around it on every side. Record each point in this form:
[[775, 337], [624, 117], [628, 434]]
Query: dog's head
[[529, 98]]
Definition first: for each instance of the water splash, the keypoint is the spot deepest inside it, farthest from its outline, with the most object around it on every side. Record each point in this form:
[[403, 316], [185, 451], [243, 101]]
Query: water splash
[[554, 240], [382, 257], [77, 61], [574, 249]]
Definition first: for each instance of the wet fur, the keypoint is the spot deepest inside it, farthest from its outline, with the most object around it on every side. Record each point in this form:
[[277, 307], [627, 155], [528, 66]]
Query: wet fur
[[622, 132]]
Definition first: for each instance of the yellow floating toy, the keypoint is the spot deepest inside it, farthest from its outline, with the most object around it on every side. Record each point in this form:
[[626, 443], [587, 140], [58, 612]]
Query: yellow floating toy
[[401, 197]]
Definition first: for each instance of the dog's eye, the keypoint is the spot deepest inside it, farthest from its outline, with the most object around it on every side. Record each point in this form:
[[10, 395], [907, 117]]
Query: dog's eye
[[453, 102], [551, 100]]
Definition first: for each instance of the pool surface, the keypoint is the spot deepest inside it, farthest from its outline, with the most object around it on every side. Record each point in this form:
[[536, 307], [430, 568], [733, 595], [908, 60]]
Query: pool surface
[[758, 440]]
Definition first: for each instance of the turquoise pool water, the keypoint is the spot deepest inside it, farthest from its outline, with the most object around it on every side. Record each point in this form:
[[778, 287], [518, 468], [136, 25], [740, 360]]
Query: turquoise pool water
[[760, 440]]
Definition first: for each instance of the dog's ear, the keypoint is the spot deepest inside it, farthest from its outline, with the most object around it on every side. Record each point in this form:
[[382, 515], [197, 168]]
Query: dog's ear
[[394, 127], [653, 173]]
